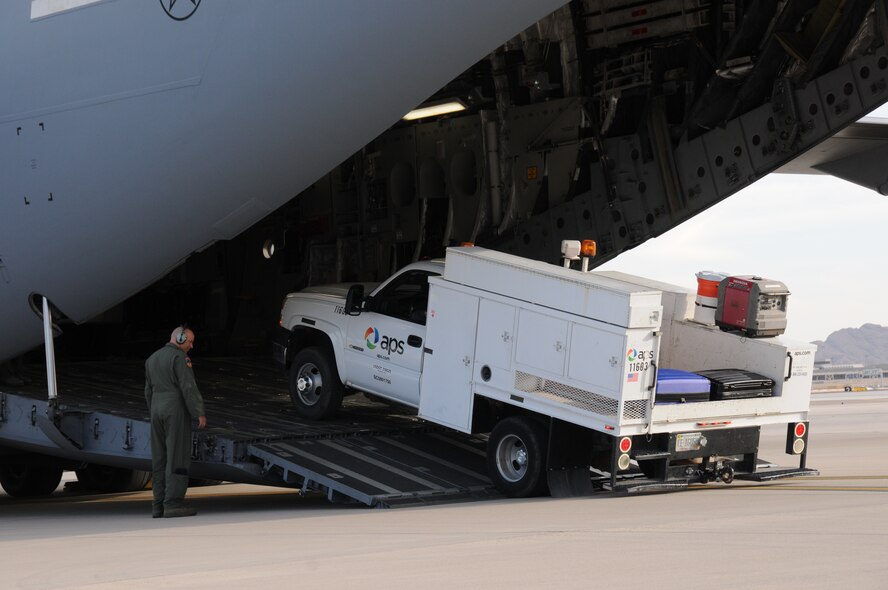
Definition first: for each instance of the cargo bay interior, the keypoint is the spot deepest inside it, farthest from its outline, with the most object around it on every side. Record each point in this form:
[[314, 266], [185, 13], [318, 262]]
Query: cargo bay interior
[[612, 120]]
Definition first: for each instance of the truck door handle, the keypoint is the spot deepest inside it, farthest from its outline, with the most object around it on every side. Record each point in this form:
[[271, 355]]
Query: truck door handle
[[414, 341]]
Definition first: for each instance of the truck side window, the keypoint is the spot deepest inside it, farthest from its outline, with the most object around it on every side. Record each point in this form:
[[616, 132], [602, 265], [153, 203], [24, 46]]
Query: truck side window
[[406, 297]]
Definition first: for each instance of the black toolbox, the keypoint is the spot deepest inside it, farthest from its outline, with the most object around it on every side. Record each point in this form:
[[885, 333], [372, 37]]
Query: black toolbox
[[737, 384]]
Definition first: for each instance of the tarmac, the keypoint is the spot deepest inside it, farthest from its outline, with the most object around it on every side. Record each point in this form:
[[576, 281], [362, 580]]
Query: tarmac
[[826, 531]]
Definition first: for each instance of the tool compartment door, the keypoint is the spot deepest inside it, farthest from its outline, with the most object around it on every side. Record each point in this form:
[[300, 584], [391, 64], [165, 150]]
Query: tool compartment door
[[446, 394], [542, 342]]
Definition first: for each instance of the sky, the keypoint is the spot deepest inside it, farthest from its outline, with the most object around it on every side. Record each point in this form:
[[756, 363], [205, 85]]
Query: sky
[[822, 237]]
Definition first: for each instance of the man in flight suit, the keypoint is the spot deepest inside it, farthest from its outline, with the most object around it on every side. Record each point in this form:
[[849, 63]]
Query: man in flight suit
[[173, 399]]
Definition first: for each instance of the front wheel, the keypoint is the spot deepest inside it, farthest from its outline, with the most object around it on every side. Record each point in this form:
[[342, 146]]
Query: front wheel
[[315, 387], [516, 457], [21, 478]]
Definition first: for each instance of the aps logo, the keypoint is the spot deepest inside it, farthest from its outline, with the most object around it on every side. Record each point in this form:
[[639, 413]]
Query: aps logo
[[387, 343], [632, 354], [372, 337]]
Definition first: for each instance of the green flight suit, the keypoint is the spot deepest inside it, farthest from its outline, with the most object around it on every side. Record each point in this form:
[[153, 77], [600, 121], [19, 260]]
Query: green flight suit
[[173, 399]]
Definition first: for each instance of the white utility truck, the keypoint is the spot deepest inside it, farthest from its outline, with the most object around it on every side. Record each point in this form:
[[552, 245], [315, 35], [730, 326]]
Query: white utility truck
[[560, 366]]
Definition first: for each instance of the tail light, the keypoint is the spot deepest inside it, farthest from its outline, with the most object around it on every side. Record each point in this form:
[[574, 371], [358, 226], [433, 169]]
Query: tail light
[[796, 438], [624, 445]]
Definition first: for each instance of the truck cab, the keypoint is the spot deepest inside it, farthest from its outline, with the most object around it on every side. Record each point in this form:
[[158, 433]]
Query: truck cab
[[371, 343]]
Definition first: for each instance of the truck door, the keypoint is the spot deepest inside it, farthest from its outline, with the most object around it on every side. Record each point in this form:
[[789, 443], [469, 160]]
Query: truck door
[[385, 341]]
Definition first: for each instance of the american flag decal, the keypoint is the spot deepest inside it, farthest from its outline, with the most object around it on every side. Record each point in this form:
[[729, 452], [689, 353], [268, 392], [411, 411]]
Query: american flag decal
[[633, 378]]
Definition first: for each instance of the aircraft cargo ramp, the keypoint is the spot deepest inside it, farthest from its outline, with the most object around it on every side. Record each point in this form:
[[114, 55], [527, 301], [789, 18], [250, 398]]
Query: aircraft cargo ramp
[[372, 453]]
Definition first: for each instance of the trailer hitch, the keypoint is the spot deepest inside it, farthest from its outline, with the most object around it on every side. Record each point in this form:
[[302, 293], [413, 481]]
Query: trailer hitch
[[721, 470]]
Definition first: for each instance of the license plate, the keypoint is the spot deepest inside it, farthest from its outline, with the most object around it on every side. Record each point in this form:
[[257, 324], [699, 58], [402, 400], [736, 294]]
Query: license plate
[[689, 441]]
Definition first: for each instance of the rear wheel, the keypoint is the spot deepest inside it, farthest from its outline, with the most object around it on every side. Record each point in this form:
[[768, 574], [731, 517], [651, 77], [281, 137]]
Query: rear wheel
[[21, 478], [315, 387], [516, 457], [110, 480]]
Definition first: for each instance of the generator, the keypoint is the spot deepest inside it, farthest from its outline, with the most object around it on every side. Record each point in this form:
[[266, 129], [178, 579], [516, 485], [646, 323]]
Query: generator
[[752, 305]]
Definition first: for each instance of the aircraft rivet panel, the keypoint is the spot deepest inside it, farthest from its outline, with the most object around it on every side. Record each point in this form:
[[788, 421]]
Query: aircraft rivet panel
[[729, 158], [871, 76], [812, 115], [695, 176], [838, 90], [640, 188], [764, 139]]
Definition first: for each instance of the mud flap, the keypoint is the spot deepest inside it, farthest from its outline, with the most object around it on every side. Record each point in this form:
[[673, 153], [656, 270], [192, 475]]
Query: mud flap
[[570, 455], [570, 482]]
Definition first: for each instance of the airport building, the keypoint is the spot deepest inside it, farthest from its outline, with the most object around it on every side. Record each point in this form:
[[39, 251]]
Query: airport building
[[854, 375]]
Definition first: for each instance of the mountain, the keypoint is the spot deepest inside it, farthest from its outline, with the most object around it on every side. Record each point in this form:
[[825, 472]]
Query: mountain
[[867, 344]]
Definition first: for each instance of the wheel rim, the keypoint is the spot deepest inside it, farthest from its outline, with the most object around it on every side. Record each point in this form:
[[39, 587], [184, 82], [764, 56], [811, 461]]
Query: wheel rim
[[511, 458], [309, 384]]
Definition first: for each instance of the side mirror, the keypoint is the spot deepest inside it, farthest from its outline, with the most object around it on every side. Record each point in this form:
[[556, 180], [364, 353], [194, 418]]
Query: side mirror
[[354, 299]]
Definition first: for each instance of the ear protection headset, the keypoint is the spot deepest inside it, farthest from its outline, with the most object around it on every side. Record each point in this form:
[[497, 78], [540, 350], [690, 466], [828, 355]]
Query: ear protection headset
[[182, 336]]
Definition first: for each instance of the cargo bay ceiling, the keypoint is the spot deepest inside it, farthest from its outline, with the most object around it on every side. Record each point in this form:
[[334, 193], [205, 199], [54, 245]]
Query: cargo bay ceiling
[[610, 119]]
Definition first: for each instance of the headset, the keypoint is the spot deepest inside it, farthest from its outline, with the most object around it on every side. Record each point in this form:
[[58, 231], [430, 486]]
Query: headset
[[182, 336]]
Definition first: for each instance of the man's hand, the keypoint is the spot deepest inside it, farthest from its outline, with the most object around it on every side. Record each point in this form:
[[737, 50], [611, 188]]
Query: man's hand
[[201, 422]]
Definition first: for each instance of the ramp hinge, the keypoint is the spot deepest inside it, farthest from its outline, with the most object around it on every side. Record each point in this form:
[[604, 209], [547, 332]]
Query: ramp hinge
[[210, 447], [128, 437], [33, 415], [2, 407], [96, 429]]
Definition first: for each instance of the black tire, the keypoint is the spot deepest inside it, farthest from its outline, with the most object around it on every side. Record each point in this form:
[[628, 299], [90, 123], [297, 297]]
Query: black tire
[[202, 483], [315, 387], [110, 480], [24, 479], [847, 388], [516, 457]]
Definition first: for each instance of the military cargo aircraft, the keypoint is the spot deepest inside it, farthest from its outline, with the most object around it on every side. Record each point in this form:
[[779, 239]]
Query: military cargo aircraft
[[135, 134]]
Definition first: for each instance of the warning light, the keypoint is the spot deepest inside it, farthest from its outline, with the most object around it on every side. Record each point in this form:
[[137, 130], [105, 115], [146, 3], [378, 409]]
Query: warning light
[[589, 248], [623, 462], [800, 429], [467, 244]]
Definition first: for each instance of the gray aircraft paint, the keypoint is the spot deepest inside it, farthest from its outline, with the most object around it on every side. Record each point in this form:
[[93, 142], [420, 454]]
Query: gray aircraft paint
[[129, 139]]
